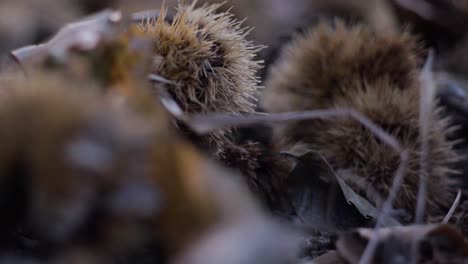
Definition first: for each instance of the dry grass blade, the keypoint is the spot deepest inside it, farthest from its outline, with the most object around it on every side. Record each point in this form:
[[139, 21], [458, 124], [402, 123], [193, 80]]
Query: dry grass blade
[[159, 79], [206, 123], [454, 207], [425, 114], [386, 208]]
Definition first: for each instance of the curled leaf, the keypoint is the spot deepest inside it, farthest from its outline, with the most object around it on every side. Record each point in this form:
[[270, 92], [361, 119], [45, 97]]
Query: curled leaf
[[363, 205], [85, 34]]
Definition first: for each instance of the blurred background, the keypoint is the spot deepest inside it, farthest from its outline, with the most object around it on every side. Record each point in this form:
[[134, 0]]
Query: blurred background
[[437, 22], [24, 22]]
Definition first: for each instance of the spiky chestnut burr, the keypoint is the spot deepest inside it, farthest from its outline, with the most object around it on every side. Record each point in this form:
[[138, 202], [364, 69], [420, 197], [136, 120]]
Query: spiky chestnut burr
[[349, 67], [208, 61], [322, 65], [209, 67]]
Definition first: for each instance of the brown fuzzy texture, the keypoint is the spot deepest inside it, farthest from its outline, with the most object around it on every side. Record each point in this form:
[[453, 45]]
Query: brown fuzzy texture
[[326, 63], [378, 77], [208, 58]]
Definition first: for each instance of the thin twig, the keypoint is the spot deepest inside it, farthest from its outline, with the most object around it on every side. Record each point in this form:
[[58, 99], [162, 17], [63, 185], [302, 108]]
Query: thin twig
[[425, 120], [155, 78], [454, 207], [206, 123], [386, 208], [425, 116]]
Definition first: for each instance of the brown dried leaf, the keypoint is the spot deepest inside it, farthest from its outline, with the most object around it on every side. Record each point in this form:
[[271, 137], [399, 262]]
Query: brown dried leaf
[[85, 34], [364, 207]]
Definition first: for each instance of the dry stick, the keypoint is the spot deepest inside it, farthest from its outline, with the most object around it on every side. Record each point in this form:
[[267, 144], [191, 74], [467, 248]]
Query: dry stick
[[206, 123], [386, 208], [425, 120], [155, 78], [455, 204]]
